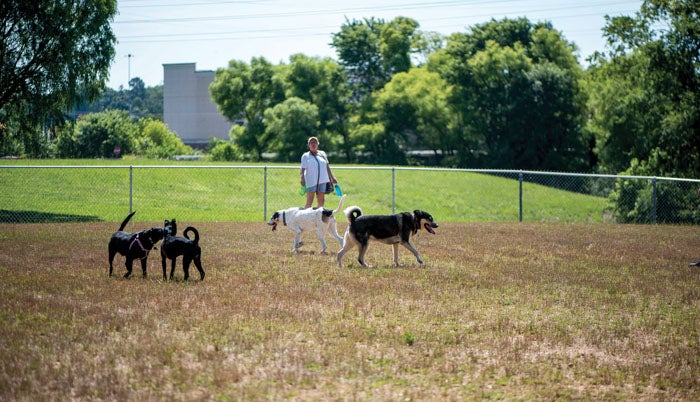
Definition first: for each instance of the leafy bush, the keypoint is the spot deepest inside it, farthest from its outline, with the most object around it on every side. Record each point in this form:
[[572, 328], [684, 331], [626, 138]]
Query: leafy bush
[[157, 141], [640, 201], [223, 151], [96, 135]]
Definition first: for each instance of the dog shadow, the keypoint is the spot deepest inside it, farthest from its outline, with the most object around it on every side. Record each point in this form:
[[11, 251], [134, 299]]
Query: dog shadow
[[381, 267], [311, 252]]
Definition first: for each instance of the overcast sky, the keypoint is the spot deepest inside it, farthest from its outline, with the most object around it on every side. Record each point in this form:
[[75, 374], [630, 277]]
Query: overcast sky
[[210, 33]]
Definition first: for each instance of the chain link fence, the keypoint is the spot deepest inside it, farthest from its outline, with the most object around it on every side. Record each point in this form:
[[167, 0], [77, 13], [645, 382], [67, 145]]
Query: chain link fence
[[251, 193]]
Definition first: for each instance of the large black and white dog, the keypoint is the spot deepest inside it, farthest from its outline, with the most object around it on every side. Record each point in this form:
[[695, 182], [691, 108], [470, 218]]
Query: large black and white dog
[[389, 229], [133, 246], [174, 246], [299, 220]]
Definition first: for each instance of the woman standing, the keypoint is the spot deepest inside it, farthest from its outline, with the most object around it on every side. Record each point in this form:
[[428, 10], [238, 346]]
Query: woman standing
[[316, 174]]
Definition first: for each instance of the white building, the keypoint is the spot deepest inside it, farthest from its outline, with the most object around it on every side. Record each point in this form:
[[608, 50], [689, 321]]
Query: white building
[[187, 106]]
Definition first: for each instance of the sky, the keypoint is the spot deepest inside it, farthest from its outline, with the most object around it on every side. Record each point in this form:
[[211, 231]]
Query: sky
[[210, 33]]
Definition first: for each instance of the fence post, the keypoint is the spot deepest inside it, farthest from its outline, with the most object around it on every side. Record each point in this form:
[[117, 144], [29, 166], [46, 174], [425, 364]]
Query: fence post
[[520, 194], [131, 189], [264, 192], [393, 190], [653, 200]]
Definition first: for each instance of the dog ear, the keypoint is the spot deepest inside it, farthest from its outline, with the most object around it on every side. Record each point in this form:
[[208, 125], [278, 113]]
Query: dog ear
[[417, 212]]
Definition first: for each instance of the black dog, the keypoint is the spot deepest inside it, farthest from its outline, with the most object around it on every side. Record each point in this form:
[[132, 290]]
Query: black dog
[[389, 229], [174, 246], [134, 246]]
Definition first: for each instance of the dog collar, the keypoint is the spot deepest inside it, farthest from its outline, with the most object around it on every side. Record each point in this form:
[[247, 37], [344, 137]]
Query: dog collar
[[284, 218]]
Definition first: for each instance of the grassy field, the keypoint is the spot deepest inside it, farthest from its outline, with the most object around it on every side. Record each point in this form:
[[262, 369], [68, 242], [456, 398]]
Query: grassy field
[[515, 311], [195, 191]]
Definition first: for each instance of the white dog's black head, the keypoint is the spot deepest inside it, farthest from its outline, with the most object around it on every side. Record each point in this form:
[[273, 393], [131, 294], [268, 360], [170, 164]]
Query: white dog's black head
[[274, 219]]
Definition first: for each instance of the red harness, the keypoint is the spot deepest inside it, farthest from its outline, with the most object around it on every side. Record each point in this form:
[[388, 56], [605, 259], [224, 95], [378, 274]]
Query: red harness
[[144, 249]]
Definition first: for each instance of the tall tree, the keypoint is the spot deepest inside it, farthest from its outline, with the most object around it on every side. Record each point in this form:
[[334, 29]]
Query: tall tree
[[415, 111], [243, 92], [53, 55], [646, 102], [290, 123], [358, 48], [518, 94], [323, 82], [372, 50]]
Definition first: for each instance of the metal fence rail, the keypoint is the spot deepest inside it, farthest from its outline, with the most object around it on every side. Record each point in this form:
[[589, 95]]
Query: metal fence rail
[[249, 193]]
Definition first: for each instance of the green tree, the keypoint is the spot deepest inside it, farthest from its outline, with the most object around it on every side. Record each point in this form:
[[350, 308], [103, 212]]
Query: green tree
[[415, 111], [244, 91], [54, 55], [645, 108], [625, 113], [645, 101], [358, 48], [139, 100], [375, 140], [398, 43], [372, 50], [323, 83], [517, 90], [96, 135], [290, 123]]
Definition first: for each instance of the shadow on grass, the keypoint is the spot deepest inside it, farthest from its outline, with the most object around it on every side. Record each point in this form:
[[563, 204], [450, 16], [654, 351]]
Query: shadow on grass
[[7, 216]]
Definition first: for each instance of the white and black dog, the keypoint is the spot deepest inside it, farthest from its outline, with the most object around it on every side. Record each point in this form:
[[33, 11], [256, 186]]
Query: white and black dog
[[389, 229], [303, 219]]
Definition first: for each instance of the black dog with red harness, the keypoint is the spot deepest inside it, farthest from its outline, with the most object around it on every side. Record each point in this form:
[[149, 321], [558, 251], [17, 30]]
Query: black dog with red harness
[[133, 246]]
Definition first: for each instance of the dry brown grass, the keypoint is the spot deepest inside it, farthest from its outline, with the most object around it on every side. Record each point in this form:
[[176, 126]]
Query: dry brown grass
[[499, 311]]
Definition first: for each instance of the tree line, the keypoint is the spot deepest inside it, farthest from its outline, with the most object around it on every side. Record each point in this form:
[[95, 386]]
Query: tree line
[[505, 94]]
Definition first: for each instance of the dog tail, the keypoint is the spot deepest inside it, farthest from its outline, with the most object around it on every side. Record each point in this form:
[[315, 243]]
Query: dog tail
[[193, 230], [352, 213], [340, 206], [126, 221]]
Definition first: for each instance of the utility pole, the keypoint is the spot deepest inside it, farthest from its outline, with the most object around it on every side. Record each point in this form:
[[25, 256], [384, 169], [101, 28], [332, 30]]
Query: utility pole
[[128, 83], [129, 56]]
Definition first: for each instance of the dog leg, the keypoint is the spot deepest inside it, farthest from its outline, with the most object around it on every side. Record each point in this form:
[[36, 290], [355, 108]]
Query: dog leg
[[413, 250], [395, 249], [128, 263], [163, 261], [297, 241], [346, 247], [144, 263], [321, 234], [198, 264], [111, 259], [361, 255], [186, 267], [172, 268]]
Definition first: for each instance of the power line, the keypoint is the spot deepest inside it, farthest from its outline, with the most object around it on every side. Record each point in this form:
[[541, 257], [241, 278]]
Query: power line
[[409, 6], [272, 33]]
